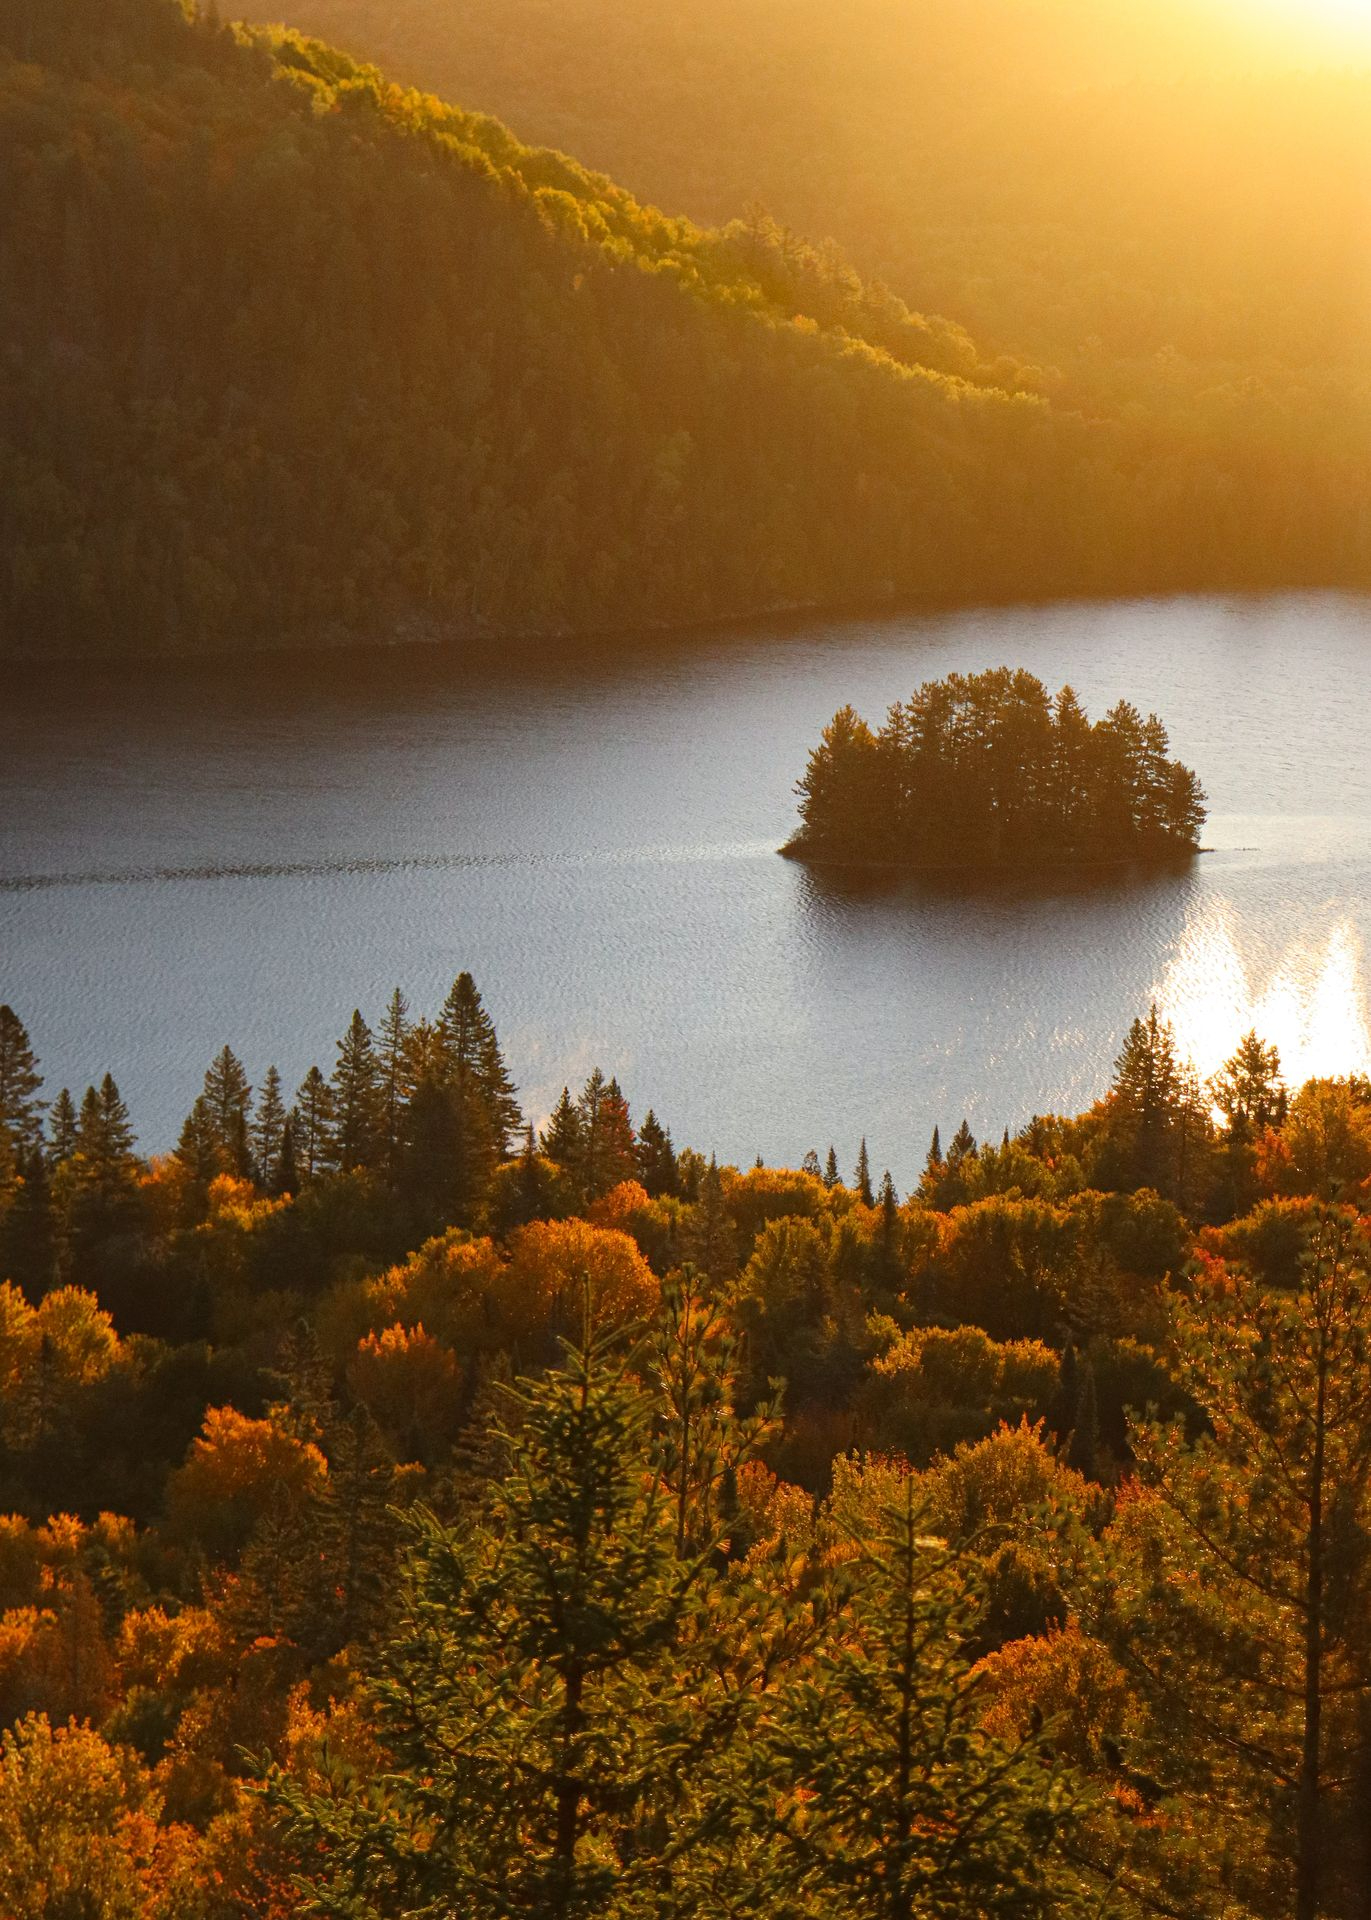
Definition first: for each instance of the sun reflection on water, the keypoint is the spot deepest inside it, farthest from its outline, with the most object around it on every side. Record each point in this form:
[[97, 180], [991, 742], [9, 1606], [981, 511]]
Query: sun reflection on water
[[1311, 1005]]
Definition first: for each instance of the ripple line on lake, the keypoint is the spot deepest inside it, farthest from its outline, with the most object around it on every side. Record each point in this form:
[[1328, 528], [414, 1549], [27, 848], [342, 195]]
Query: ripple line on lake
[[406, 863]]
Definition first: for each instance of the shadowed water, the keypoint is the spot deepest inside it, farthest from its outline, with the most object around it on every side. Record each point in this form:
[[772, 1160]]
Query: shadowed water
[[245, 853]]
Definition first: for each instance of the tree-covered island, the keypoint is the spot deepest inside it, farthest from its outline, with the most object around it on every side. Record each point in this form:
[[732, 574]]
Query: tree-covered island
[[988, 770]]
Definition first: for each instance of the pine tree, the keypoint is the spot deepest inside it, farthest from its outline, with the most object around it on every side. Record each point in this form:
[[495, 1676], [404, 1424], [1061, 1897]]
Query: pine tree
[[563, 1141], [1145, 1100], [199, 1146], [832, 1178], [962, 1147], [394, 1079], [1249, 1090], [21, 1111], [1235, 1588], [656, 1158], [356, 1134], [62, 1129], [550, 1695], [269, 1132], [905, 1805], [312, 1126], [28, 1246], [608, 1147], [473, 1064], [861, 1180], [709, 1240], [228, 1102]]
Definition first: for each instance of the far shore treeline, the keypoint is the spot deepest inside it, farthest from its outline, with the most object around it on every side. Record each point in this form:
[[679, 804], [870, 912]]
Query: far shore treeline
[[988, 771]]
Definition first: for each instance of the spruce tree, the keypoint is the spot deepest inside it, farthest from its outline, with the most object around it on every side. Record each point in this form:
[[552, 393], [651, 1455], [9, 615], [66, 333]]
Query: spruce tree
[[563, 1140], [62, 1129], [832, 1178], [861, 1180], [312, 1123], [656, 1158], [356, 1136], [393, 1078], [268, 1132], [474, 1066], [900, 1803], [1235, 1587], [199, 1146], [550, 1697], [608, 1147], [21, 1111], [228, 1103]]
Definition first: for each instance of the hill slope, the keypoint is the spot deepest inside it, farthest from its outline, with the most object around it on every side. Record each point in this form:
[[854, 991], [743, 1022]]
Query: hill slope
[[291, 354]]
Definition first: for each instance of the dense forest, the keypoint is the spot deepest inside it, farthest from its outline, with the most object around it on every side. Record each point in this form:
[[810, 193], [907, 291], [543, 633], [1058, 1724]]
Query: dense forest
[[291, 354], [1159, 208], [987, 770], [410, 1510]]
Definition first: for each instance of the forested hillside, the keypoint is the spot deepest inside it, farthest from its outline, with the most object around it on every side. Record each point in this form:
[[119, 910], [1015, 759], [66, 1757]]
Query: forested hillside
[[407, 1511], [289, 354]]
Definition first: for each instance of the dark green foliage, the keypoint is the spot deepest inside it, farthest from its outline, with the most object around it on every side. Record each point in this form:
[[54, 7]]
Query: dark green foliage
[[910, 1808], [986, 770], [21, 1111], [357, 1100], [656, 1158], [547, 1695]]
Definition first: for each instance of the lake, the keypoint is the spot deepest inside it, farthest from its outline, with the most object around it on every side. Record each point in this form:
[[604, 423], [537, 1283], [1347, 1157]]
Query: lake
[[193, 854]]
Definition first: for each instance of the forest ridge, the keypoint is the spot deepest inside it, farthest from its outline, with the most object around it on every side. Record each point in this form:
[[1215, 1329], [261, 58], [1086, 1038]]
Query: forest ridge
[[294, 355]]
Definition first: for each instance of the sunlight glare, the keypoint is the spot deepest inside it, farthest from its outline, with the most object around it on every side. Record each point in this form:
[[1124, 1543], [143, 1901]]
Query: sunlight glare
[[1312, 1007]]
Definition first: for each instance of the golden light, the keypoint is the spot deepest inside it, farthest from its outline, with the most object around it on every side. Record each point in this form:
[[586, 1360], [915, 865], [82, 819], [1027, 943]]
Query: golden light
[[1311, 1005], [1337, 29]]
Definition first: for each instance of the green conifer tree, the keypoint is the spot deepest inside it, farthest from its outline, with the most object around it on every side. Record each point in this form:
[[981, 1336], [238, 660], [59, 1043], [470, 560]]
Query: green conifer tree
[[356, 1134], [656, 1158], [227, 1105], [861, 1179], [832, 1178], [269, 1132], [906, 1806], [21, 1111], [550, 1695], [62, 1129], [394, 1078], [312, 1124]]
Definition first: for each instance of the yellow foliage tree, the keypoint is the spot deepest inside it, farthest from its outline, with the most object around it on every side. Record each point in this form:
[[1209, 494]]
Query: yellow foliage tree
[[80, 1832], [235, 1471]]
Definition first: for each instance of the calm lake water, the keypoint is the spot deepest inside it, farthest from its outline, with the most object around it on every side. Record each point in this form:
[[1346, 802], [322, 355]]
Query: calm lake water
[[194, 855]]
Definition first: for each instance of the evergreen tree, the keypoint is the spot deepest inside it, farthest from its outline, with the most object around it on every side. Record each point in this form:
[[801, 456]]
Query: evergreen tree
[[312, 1124], [608, 1147], [709, 1240], [1235, 1589], [28, 1246], [1083, 1448], [473, 1064], [21, 1111], [1146, 1099], [200, 1146], [832, 1178], [269, 1133], [62, 1129], [393, 1077], [563, 1138], [905, 1805], [1249, 1090], [549, 1696], [227, 1104], [656, 1158], [861, 1180], [961, 1147], [357, 1122]]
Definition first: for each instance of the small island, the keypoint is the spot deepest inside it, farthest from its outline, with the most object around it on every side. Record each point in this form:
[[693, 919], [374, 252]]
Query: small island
[[988, 771]]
